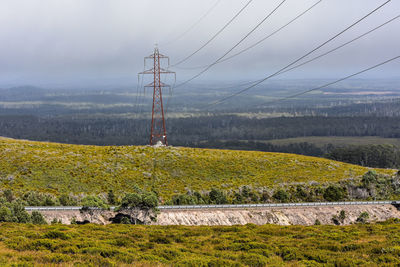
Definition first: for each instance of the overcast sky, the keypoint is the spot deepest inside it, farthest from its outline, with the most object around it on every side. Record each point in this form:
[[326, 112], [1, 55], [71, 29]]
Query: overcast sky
[[85, 43]]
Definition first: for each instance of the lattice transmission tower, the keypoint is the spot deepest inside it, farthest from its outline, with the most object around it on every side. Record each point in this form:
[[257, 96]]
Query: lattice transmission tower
[[158, 131]]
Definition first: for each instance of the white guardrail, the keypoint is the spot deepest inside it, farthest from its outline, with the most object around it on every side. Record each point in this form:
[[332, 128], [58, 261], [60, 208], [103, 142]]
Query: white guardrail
[[235, 206]]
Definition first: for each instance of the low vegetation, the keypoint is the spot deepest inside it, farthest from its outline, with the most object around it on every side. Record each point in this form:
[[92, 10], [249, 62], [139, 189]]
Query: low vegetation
[[248, 245], [13, 210], [73, 171], [143, 204], [371, 186]]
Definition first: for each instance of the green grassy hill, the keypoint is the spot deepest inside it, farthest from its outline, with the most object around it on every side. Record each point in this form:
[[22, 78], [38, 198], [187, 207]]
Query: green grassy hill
[[61, 168]]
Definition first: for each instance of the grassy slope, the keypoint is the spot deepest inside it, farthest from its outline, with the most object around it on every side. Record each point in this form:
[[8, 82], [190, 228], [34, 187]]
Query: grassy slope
[[248, 245], [58, 168]]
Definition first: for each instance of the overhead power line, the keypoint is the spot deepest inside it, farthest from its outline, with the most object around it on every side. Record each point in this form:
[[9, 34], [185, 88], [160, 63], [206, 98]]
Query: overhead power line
[[300, 58], [214, 36], [260, 41], [194, 24], [331, 83], [340, 46], [323, 54], [238, 43]]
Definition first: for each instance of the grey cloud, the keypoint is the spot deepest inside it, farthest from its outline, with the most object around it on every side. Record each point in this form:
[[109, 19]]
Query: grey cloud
[[91, 42]]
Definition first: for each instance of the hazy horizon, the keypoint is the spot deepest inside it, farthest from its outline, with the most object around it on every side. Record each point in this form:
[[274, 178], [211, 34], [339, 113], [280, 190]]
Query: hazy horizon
[[79, 44]]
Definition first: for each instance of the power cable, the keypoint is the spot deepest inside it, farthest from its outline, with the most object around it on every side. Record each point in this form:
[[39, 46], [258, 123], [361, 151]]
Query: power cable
[[138, 94], [142, 99], [340, 46], [214, 36], [323, 54], [238, 43], [331, 83], [195, 24], [136, 109], [171, 91], [260, 41], [300, 58]]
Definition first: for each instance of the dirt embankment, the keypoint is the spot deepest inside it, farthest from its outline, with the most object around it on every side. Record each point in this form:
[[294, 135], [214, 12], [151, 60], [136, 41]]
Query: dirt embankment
[[281, 216]]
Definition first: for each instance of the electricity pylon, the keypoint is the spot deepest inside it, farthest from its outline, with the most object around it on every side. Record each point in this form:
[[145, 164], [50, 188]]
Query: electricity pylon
[[158, 131]]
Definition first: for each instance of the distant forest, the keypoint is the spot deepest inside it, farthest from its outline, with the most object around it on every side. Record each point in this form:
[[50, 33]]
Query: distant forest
[[194, 130]]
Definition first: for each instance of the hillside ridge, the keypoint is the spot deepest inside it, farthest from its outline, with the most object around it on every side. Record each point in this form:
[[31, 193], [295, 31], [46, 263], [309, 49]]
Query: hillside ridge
[[86, 169]]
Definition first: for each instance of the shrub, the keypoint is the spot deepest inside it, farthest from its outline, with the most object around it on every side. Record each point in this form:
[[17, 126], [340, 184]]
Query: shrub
[[37, 218], [217, 197], [184, 199], [111, 198], [290, 254], [93, 202], [159, 239], [342, 216], [66, 200], [198, 262], [370, 177], [168, 254], [8, 195], [40, 244], [245, 191], [334, 193], [363, 217], [149, 201], [5, 214], [139, 203], [92, 205], [281, 195], [54, 221], [18, 212], [55, 234], [131, 200], [56, 258], [300, 193], [265, 196], [255, 260], [39, 199]]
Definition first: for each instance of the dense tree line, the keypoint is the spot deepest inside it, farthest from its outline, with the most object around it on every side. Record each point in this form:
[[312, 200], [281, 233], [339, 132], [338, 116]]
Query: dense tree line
[[378, 156], [193, 130]]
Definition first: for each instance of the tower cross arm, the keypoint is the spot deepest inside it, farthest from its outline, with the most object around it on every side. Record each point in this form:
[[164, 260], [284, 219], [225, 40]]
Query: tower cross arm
[[161, 85], [166, 71], [149, 71], [162, 71]]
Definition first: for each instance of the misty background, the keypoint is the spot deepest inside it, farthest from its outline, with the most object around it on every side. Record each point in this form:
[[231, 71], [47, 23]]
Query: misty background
[[99, 43]]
